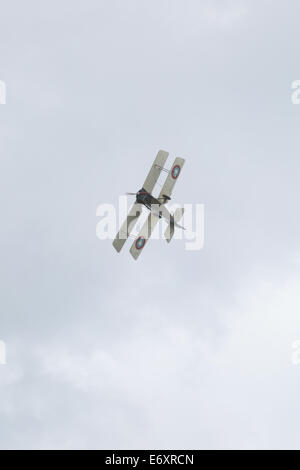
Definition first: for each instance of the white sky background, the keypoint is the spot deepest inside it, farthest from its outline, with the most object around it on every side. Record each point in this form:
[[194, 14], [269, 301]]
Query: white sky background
[[180, 349]]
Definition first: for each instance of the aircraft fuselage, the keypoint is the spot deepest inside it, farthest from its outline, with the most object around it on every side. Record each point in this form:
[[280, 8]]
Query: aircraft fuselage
[[145, 198]]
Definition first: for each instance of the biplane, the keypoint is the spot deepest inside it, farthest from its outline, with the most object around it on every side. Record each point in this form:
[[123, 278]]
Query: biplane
[[156, 206]]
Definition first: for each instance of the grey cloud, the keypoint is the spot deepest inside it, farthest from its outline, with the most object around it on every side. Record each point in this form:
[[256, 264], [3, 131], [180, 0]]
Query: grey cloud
[[181, 349]]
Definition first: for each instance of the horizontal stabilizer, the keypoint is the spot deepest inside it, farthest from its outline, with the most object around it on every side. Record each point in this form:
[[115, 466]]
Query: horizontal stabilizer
[[173, 222]]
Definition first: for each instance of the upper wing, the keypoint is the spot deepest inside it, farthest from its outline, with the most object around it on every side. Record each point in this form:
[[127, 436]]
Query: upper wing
[[172, 177], [155, 171], [144, 235], [127, 226]]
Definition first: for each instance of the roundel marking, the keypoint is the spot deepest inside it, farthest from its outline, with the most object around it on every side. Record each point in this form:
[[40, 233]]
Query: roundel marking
[[175, 172], [139, 244]]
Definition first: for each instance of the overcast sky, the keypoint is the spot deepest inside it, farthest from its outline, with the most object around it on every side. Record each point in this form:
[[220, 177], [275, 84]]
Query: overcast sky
[[181, 349]]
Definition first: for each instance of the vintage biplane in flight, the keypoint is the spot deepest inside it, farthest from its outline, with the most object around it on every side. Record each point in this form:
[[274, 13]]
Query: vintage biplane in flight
[[156, 206]]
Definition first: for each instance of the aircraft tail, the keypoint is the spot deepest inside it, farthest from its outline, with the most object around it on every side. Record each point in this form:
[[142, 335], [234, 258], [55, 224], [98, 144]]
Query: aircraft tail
[[173, 223]]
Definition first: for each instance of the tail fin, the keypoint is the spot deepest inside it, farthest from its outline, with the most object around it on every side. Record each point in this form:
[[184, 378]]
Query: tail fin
[[173, 223]]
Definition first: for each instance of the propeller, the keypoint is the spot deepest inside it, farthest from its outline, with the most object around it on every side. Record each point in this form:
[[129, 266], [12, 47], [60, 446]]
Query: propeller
[[135, 194]]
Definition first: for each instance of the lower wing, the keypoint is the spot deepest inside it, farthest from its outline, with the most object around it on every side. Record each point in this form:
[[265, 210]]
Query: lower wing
[[144, 235], [127, 226]]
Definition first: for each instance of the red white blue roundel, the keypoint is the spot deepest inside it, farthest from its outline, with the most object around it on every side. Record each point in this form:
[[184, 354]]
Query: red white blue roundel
[[175, 172], [139, 244]]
